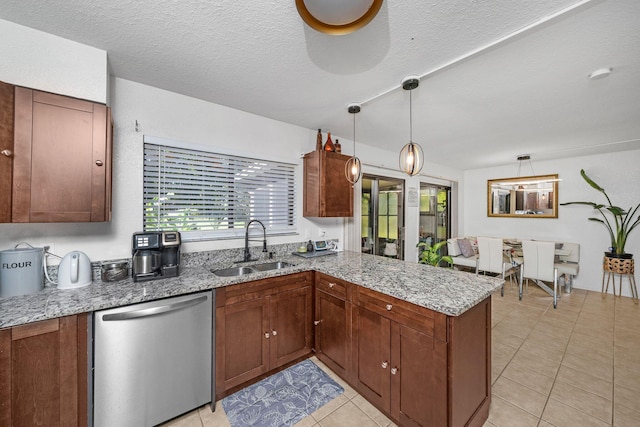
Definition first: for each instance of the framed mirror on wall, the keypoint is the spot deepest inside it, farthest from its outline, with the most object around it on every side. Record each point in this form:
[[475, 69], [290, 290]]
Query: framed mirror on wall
[[523, 197]]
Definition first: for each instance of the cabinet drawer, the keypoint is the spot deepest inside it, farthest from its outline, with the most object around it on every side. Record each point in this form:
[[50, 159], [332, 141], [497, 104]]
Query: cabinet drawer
[[419, 318], [332, 286], [248, 291]]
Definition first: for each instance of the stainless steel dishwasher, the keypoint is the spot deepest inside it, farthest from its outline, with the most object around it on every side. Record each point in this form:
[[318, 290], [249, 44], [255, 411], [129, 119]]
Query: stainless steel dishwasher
[[152, 361]]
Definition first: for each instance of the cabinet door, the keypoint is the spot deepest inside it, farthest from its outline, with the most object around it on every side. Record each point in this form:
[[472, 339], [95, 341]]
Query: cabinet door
[[242, 348], [6, 150], [332, 332], [327, 193], [291, 325], [336, 192], [418, 378], [470, 365], [43, 374], [372, 356], [61, 159]]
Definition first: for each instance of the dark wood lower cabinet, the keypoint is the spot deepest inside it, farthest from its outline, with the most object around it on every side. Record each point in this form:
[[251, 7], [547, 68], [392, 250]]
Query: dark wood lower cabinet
[[245, 354], [333, 324], [291, 333], [372, 346], [419, 384], [420, 367], [260, 326], [401, 370], [43, 373], [469, 366]]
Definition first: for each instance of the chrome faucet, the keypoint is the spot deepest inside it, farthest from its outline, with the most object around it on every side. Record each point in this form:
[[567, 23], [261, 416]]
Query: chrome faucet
[[247, 254]]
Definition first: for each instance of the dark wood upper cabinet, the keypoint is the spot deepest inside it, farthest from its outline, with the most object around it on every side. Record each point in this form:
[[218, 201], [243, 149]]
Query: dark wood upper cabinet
[[61, 159], [327, 193], [6, 149]]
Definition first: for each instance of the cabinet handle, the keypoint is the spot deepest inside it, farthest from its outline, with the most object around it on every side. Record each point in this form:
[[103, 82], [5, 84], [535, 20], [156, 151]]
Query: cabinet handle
[[389, 306], [384, 364], [394, 371], [317, 322], [266, 335], [274, 333], [99, 162], [331, 285], [7, 153]]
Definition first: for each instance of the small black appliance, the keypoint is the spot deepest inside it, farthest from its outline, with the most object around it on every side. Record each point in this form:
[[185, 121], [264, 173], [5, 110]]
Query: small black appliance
[[155, 255]]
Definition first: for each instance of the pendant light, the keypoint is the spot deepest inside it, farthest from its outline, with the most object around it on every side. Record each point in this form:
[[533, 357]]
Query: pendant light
[[411, 155], [520, 159], [353, 168]]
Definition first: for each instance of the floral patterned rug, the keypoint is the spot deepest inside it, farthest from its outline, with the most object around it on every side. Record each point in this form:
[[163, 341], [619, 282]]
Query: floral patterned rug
[[282, 399]]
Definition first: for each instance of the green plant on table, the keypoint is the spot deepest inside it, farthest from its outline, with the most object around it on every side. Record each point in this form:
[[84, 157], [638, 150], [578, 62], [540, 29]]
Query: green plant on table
[[619, 222], [432, 254]]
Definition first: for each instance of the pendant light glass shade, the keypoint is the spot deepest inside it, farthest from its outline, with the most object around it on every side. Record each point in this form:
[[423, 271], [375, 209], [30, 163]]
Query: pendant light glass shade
[[411, 159], [411, 155], [353, 168]]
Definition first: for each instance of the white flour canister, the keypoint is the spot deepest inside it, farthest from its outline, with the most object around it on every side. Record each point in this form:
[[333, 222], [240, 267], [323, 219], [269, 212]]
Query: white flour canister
[[21, 271]]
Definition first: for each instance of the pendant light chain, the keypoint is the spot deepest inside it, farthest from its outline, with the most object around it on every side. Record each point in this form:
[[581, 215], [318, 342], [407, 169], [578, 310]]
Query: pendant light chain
[[410, 116], [354, 134]]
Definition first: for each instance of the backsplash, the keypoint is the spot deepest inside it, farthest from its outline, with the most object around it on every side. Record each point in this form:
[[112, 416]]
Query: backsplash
[[196, 259]]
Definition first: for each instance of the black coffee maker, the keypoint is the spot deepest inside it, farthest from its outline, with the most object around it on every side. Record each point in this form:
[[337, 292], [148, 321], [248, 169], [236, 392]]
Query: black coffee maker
[[155, 255]]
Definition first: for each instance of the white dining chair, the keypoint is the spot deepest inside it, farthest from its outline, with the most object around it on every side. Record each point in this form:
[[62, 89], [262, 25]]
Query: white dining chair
[[390, 250], [569, 264], [491, 259], [539, 266]]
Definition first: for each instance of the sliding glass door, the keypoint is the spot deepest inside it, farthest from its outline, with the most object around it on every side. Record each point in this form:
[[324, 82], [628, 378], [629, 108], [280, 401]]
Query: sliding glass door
[[435, 215], [383, 216]]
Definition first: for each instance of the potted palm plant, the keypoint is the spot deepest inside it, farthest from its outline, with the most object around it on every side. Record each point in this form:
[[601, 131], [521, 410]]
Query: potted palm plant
[[619, 222], [432, 254]]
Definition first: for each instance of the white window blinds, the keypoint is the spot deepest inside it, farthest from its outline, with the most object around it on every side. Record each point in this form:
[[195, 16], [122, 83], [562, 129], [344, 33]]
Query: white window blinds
[[207, 195]]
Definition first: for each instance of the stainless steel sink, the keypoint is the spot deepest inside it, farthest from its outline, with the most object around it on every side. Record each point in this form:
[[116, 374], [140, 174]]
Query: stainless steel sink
[[234, 271], [271, 266], [248, 269]]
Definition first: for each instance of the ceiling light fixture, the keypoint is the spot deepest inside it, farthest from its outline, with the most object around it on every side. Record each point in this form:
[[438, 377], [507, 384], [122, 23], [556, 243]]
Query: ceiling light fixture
[[353, 168], [411, 155], [522, 158], [600, 73], [337, 17]]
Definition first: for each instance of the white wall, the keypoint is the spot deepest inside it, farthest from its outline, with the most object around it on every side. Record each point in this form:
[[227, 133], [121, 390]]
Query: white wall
[[169, 115], [618, 173], [46, 62]]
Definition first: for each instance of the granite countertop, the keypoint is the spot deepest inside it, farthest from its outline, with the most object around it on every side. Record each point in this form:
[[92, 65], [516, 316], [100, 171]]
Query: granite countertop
[[440, 289]]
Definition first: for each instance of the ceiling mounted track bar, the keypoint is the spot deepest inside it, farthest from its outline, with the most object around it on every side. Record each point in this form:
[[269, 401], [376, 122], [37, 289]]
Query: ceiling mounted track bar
[[544, 21]]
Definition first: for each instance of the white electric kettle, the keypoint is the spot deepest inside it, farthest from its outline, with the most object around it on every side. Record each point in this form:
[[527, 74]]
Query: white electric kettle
[[74, 271]]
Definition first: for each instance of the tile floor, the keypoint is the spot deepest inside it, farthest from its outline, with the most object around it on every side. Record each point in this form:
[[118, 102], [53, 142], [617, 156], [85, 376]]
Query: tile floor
[[578, 365]]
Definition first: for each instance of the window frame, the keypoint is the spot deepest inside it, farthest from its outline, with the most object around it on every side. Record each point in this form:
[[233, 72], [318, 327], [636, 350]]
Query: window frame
[[277, 219]]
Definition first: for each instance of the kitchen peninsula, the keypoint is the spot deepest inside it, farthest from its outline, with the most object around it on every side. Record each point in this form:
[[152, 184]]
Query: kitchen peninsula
[[417, 338]]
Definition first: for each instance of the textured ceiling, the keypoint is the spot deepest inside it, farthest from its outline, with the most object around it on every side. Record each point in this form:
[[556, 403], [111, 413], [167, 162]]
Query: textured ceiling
[[500, 77]]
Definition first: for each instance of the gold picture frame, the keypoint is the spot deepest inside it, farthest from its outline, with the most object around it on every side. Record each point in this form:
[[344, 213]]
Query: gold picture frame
[[523, 197]]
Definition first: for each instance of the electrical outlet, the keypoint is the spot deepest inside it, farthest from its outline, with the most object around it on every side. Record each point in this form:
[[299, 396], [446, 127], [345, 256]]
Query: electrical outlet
[[48, 247], [322, 233]]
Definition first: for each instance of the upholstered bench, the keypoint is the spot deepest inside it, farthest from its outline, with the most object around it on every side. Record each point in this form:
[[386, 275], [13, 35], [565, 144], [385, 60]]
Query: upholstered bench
[[461, 252]]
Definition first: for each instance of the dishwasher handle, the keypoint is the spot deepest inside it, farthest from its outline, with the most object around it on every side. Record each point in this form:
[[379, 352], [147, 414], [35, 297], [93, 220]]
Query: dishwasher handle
[[153, 311]]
